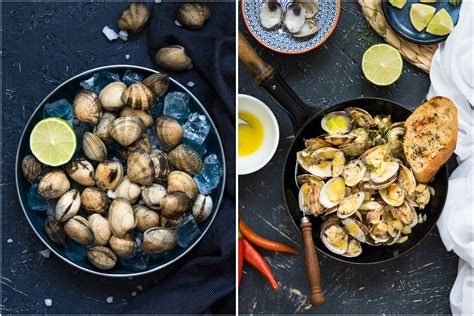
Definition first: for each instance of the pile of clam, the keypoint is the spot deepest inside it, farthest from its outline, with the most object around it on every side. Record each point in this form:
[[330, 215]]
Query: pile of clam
[[298, 18], [358, 182], [103, 203]]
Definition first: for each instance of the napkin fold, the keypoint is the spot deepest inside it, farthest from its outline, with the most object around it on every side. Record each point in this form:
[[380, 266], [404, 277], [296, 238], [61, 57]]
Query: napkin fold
[[452, 76]]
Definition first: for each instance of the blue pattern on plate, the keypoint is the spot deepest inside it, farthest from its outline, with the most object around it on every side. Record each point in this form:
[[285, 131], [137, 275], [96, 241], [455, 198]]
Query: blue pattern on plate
[[282, 40], [399, 21]]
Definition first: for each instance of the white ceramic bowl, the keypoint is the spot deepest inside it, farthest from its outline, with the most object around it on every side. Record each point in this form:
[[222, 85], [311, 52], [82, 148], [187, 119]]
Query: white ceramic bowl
[[271, 137]]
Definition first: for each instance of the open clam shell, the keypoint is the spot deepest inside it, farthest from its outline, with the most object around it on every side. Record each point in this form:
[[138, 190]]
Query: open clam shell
[[271, 14]]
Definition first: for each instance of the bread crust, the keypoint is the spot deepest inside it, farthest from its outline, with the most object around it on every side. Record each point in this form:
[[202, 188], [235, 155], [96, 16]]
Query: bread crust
[[431, 167]]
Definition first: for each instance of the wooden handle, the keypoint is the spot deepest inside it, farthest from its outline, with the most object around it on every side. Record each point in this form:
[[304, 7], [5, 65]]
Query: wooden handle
[[312, 263], [259, 69]]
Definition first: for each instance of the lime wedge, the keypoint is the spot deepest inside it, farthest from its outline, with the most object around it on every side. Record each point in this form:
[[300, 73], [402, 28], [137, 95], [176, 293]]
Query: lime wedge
[[420, 15], [382, 64], [441, 24], [53, 141], [399, 4]]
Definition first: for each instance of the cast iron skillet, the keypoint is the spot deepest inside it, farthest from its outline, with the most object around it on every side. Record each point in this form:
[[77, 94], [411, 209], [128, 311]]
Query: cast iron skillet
[[308, 124]]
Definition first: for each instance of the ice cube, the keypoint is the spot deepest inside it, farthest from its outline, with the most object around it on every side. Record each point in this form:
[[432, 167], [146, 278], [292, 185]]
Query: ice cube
[[201, 149], [176, 105], [51, 207], [188, 230], [157, 109], [99, 80], [80, 130], [61, 108], [137, 263], [75, 251], [35, 200], [131, 77], [209, 178], [196, 128]]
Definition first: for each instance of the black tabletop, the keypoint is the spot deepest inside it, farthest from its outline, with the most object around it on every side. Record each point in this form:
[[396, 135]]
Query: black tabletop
[[416, 283]]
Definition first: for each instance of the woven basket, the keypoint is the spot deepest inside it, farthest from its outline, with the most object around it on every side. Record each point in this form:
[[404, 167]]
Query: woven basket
[[417, 55]]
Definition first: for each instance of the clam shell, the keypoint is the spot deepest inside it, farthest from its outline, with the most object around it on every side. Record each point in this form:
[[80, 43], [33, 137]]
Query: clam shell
[[77, 228], [102, 257], [94, 200], [140, 167], [152, 195], [393, 195], [311, 8], [102, 128], [354, 172], [308, 197], [138, 97], [146, 218], [161, 164], [169, 131], [360, 116], [31, 167], [171, 222], [128, 190], [157, 83], [53, 184], [108, 175], [124, 247], [354, 248], [193, 15], [174, 204], [294, 17], [87, 107], [332, 238], [310, 27], [134, 18], [179, 181], [143, 115], [67, 206], [159, 239], [332, 192], [54, 231], [100, 228], [126, 130], [271, 14], [202, 208], [349, 205], [121, 217], [94, 147], [142, 143], [110, 97], [173, 58], [186, 159]]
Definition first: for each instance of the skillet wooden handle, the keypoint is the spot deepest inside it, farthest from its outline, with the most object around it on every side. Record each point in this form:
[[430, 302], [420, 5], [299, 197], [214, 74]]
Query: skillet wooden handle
[[312, 263], [259, 69]]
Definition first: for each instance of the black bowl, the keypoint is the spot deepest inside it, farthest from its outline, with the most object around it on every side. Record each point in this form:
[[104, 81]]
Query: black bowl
[[68, 90], [312, 128]]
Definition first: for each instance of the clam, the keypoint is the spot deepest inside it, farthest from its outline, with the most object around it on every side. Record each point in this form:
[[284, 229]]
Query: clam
[[140, 167], [128, 190], [67, 206], [121, 217], [100, 228], [354, 249], [303, 178], [124, 247], [53, 184], [336, 123], [375, 156], [108, 175], [354, 148], [375, 216], [315, 143], [355, 228], [407, 214], [157, 83], [54, 231], [384, 173], [146, 218], [138, 96], [354, 172], [186, 159], [87, 107], [152, 195], [395, 139], [349, 205], [379, 232], [193, 15], [311, 8], [308, 197], [173, 58], [202, 208], [370, 206], [110, 97], [338, 139], [134, 18], [161, 164], [94, 200], [334, 237], [271, 14], [94, 147], [77, 228], [142, 143], [324, 153], [174, 204], [171, 222], [143, 115], [406, 179], [126, 130], [179, 181], [319, 168], [338, 163], [332, 192], [31, 167], [360, 117], [393, 195], [102, 128], [102, 257], [169, 131], [294, 17], [310, 27], [382, 122], [159, 239]]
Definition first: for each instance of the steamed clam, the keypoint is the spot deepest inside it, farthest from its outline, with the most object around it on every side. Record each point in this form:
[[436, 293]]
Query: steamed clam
[[31, 167], [159, 239], [179, 181], [393, 195], [308, 197], [138, 96], [54, 184], [332, 192], [108, 175], [334, 237], [169, 131], [94, 147], [187, 159], [349, 205], [354, 172], [87, 107], [94, 200], [361, 117], [336, 123], [355, 228], [110, 97], [126, 130], [102, 128]]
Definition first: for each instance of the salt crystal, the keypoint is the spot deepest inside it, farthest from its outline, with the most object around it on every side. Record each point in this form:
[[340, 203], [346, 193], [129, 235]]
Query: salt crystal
[[9, 241], [140, 287], [157, 1], [123, 35], [134, 293], [45, 253], [111, 194], [109, 300], [191, 84], [177, 23], [109, 33], [48, 302], [127, 56]]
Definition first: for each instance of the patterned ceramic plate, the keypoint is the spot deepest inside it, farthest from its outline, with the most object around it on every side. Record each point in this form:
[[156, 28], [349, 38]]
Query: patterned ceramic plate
[[280, 40]]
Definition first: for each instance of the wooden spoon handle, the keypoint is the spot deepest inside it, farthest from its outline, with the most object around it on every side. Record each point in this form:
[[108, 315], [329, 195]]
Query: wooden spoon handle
[[258, 68], [312, 263]]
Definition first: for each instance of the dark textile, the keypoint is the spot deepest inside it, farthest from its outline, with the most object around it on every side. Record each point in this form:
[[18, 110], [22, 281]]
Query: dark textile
[[203, 281]]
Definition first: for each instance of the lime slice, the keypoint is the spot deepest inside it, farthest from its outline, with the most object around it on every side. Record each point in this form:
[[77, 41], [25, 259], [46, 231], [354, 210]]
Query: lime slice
[[53, 141], [382, 64], [441, 24], [428, 1], [398, 3], [420, 15]]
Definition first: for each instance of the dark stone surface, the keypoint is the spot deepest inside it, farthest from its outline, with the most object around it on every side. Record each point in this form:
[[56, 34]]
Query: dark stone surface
[[417, 283]]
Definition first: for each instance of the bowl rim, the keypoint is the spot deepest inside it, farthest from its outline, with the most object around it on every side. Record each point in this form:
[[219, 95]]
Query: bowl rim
[[18, 163], [333, 27], [276, 141]]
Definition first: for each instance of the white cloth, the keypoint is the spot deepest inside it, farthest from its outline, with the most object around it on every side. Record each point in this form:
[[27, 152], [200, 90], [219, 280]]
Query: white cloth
[[452, 76]]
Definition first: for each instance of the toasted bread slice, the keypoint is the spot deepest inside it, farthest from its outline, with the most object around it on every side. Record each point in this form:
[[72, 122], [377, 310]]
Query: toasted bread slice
[[431, 134]]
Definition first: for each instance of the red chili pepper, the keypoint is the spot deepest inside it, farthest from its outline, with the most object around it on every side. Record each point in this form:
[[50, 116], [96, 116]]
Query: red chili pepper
[[241, 256], [256, 260], [262, 242]]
